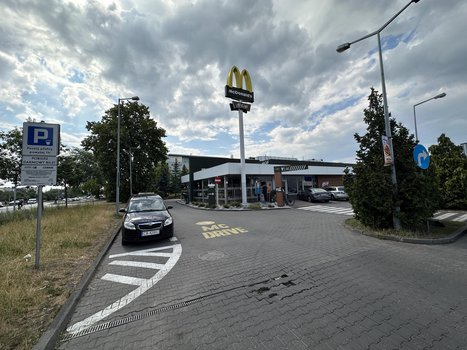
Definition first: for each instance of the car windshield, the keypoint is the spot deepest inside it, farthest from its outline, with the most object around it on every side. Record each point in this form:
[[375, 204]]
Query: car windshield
[[317, 190], [146, 204], [341, 189]]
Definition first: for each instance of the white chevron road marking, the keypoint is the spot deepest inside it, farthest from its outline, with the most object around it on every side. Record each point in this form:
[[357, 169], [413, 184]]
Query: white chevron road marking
[[143, 284]]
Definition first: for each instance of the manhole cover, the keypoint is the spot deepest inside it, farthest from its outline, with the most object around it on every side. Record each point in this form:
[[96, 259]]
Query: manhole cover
[[213, 255]]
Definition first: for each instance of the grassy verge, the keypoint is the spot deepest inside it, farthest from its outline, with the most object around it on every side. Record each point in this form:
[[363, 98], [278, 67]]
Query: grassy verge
[[435, 232], [70, 240]]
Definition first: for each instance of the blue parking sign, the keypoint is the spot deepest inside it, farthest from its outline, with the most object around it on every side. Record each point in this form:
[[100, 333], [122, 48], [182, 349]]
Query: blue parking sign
[[40, 136], [41, 139]]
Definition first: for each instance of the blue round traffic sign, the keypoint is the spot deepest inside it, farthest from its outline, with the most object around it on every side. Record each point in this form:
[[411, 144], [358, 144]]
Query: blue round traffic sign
[[421, 156]]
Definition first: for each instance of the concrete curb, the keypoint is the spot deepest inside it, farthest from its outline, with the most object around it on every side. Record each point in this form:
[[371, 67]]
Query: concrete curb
[[182, 202], [50, 337], [444, 240]]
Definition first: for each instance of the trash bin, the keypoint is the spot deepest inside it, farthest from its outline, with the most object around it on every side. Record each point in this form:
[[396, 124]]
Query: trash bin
[[211, 195]]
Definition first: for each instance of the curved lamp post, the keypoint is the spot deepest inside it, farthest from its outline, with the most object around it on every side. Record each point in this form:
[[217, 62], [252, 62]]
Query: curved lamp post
[[117, 181], [342, 48], [415, 116]]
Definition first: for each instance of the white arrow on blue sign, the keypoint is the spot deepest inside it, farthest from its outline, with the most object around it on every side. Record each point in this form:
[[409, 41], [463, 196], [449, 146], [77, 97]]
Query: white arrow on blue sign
[[421, 156]]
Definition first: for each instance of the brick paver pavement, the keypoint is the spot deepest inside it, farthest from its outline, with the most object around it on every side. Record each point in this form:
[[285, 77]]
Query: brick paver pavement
[[287, 279]]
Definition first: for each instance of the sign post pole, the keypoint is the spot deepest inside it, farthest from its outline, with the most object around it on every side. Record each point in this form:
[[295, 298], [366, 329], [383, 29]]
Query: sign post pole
[[41, 143], [242, 159], [38, 226], [241, 95]]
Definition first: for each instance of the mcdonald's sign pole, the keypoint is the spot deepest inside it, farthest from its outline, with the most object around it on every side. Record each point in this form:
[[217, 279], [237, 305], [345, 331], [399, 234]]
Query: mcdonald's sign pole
[[240, 96]]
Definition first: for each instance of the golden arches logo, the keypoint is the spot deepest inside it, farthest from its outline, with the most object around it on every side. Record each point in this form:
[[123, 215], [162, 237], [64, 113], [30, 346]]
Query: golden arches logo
[[238, 93], [234, 71]]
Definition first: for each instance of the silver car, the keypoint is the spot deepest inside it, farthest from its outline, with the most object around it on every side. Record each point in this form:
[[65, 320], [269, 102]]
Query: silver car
[[337, 193]]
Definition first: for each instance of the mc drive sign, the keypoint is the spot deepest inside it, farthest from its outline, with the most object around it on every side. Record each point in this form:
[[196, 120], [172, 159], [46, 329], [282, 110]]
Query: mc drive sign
[[40, 139]]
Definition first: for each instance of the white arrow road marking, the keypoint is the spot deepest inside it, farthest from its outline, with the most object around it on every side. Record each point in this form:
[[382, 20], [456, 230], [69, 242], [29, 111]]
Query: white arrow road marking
[[143, 285]]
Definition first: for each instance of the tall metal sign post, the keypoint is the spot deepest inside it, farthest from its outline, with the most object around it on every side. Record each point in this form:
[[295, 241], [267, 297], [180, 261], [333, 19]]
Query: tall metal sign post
[[240, 96], [41, 144]]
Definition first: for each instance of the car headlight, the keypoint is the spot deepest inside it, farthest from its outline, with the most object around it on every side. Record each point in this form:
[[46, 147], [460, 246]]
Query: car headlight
[[168, 221], [129, 225]]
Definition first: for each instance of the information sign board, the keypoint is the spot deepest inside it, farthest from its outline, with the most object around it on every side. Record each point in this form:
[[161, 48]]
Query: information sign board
[[37, 175], [41, 139]]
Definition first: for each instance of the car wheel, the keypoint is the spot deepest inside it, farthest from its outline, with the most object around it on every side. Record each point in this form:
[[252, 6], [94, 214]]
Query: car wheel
[[309, 199]]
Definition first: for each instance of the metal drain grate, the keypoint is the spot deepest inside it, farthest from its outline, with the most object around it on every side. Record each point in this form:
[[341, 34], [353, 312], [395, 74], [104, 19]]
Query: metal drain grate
[[137, 317], [129, 319]]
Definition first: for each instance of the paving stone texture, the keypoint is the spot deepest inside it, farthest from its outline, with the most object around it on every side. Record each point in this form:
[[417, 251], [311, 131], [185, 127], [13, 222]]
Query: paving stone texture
[[295, 280]]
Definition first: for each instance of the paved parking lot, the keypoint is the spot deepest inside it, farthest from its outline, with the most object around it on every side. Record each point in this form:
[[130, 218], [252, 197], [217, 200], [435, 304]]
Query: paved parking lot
[[273, 279]]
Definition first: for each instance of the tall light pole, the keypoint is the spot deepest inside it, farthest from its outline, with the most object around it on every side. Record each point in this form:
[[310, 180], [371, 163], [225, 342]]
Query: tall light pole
[[342, 48], [117, 181], [415, 116], [130, 155]]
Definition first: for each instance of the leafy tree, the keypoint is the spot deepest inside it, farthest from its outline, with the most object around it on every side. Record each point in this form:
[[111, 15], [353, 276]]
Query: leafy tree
[[175, 183], [184, 170], [66, 171], [11, 148], [92, 187], [450, 166], [163, 179], [370, 188], [139, 136]]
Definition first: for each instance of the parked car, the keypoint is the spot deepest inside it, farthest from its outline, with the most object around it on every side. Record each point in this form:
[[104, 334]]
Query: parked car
[[32, 201], [146, 218], [314, 194], [18, 202], [337, 193]]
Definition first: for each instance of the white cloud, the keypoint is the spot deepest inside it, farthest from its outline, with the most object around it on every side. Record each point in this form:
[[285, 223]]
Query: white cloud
[[69, 61]]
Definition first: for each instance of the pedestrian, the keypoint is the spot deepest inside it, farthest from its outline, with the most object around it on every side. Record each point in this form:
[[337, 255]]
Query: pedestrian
[[258, 190], [265, 191]]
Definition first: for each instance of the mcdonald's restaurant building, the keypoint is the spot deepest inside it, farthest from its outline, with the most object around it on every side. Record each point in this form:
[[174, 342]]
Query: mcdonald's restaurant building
[[203, 172]]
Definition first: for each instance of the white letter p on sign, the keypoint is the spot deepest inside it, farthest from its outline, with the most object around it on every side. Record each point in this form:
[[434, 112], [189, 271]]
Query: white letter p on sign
[[40, 134]]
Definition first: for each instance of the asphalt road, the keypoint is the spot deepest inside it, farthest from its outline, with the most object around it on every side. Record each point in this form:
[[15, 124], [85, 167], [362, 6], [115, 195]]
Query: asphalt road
[[273, 279]]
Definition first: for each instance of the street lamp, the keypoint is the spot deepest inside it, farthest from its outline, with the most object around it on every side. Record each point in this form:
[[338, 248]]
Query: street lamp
[[130, 155], [117, 189], [415, 116], [345, 46]]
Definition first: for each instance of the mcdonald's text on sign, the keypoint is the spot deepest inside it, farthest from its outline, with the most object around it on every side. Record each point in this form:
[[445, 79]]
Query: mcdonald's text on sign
[[238, 93]]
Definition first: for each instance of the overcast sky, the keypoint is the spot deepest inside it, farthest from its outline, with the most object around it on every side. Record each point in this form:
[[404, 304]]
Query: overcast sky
[[67, 62]]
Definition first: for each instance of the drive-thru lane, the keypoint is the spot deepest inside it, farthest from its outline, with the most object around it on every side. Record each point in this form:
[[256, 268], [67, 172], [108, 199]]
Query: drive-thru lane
[[276, 279]]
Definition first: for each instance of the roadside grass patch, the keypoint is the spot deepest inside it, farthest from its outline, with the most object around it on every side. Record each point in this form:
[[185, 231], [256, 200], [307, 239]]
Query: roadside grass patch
[[436, 231], [30, 298]]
